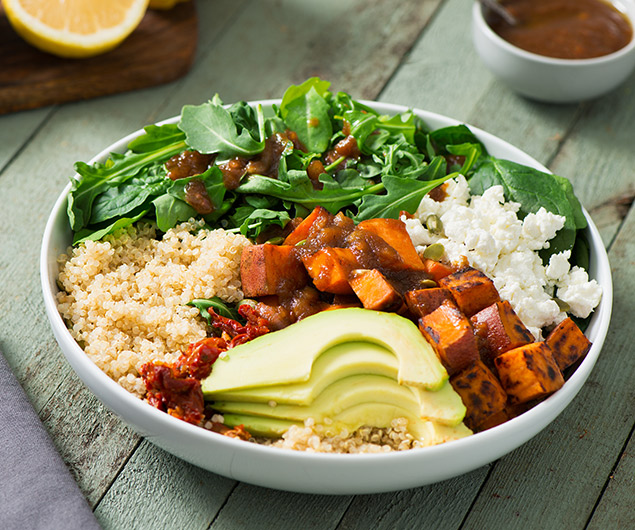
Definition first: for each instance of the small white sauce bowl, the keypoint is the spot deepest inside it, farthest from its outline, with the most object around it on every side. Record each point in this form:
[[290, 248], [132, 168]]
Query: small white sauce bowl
[[549, 79]]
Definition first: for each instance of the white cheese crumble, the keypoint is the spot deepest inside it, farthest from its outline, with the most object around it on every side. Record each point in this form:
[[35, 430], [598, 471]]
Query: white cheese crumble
[[487, 232]]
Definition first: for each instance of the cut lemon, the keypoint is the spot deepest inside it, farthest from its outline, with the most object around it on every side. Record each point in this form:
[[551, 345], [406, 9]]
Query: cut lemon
[[75, 28]]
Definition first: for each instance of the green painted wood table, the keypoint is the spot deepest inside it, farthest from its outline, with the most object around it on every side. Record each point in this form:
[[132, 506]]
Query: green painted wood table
[[577, 473]]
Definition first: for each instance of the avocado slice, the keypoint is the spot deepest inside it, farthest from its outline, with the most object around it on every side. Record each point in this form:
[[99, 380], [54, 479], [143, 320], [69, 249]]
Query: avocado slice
[[287, 356], [342, 360], [377, 414], [443, 406]]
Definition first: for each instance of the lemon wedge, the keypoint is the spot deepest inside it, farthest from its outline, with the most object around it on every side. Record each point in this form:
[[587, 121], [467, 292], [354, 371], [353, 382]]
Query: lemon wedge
[[75, 28]]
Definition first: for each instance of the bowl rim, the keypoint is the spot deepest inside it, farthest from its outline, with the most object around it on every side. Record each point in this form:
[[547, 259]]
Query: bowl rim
[[488, 32], [153, 424]]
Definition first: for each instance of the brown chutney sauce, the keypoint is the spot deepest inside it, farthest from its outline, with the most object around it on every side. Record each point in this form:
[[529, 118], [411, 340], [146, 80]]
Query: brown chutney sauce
[[565, 29]]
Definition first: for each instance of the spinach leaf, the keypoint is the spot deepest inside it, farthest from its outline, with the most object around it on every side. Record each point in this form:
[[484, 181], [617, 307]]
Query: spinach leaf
[[260, 219], [213, 180], [97, 178], [533, 189], [454, 135], [210, 128], [170, 211], [118, 201]]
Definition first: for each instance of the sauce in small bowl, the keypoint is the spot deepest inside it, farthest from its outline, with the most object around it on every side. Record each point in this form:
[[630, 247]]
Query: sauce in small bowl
[[565, 29], [562, 51]]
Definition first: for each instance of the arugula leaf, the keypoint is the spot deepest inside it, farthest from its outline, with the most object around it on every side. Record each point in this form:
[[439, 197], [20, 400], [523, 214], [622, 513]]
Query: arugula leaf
[[156, 137], [298, 189], [298, 92], [210, 128], [260, 219], [471, 152], [402, 194], [308, 116], [87, 234], [217, 304]]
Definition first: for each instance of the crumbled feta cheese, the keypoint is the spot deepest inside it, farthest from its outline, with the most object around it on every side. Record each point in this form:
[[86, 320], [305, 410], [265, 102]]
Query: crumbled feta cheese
[[486, 230], [579, 292]]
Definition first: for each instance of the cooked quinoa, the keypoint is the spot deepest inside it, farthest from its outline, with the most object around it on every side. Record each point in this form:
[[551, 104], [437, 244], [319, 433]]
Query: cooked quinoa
[[124, 298], [364, 440]]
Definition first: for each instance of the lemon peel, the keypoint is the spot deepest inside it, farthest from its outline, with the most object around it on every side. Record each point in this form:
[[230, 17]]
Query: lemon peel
[[75, 29]]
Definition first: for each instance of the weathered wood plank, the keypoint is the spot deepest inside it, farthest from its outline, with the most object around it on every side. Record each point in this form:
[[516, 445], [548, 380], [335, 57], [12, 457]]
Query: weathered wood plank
[[615, 509], [158, 490], [573, 457], [15, 130], [254, 507], [99, 448], [356, 45], [441, 505]]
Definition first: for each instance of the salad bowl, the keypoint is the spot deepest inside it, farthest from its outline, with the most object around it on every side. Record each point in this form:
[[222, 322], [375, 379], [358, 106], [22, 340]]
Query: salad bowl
[[314, 472]]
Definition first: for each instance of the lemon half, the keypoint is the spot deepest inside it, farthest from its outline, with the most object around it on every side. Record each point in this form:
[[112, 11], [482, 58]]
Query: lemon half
[[75, 28]]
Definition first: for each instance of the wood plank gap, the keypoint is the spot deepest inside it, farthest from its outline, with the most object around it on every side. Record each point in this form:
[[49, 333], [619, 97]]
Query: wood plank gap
[[610, 476], [35, 132], [580, 112], [339, 523], [116, 475], [478, 494], [222, 506], [414, 42], [175, 86], [617, 232]]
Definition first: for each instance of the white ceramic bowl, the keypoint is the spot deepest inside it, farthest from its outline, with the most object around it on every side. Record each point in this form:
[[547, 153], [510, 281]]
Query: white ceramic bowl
[[548, 79], [321, 473]]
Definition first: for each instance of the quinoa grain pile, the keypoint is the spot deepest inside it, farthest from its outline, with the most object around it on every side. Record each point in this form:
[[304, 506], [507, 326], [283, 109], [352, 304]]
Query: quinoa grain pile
[[123, 298]]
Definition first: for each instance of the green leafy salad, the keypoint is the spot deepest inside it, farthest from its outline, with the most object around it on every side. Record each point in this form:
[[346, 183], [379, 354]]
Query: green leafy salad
[[399, 161]]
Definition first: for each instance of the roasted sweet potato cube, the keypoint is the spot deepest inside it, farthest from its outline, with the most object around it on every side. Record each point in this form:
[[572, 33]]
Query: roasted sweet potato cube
[[271, 269], [436, 270], [492, 421], [301, 231], [374, 290], [528, 372], [451, 335], [329, 269], [422, 302], [471, 290], [481, 392], [499, 329], [567, 343], [394, 233]]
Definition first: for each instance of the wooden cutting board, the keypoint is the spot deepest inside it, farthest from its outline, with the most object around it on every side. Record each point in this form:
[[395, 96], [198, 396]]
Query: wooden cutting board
[[160, 50]]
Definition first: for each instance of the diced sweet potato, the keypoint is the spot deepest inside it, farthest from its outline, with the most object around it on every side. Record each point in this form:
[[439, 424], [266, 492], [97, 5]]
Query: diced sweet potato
[[329, 269], [498, 330], [471, 290], [495, 419], [528, 372], [301, 231], [451, 335], [393, 232], [271, 269], [422, 302], [436, 270], [481, 392], [567, 343], [374, 290]]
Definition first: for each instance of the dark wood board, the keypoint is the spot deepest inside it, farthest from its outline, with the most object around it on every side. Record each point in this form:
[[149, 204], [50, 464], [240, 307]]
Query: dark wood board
[[160, 50]]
